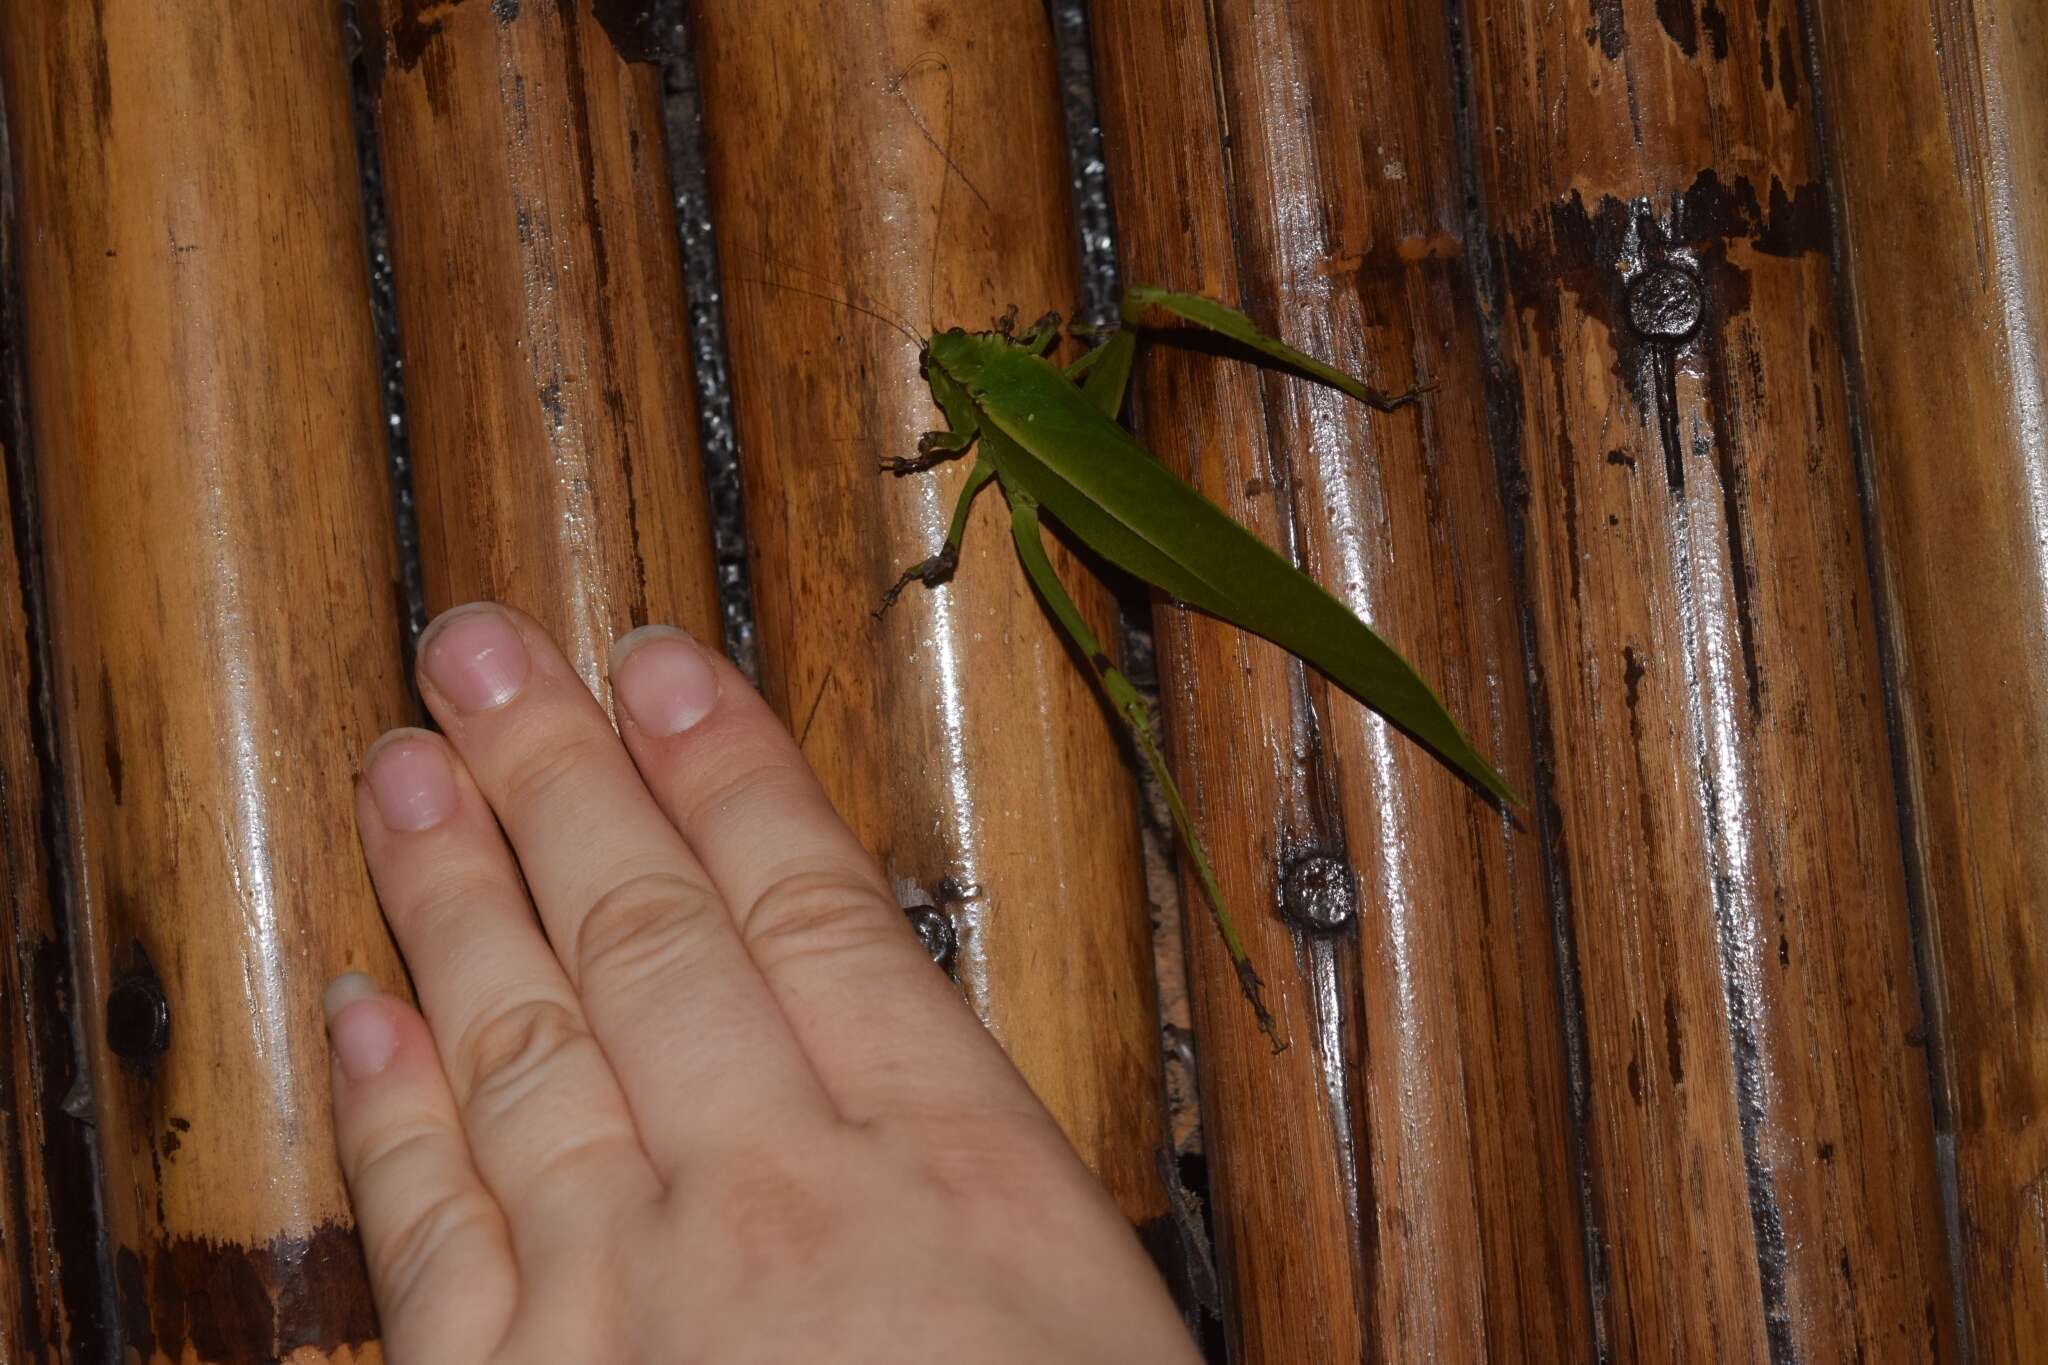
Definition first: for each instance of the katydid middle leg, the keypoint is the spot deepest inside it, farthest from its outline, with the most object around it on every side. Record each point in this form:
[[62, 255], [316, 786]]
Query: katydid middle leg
[[1043, 333], [1105, 372]]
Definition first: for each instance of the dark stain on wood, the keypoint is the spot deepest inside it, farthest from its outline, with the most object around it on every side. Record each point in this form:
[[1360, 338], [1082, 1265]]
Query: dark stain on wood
[[401, 32], [1609, 29], [110, 739], [1682, 23], [640, 31], [102, 76], [1674, 1049], [1714, 20], [246, 1305]]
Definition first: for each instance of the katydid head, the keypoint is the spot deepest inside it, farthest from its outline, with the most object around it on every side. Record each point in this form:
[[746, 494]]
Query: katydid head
[[952, 350]]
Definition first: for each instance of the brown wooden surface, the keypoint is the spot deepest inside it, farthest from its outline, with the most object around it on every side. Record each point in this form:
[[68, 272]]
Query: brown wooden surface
[[49, 1236], [1406, 1166], [1938, 127], [540, 310], [1716, 789], [907, 156], [211, 466], [1641, 1075]]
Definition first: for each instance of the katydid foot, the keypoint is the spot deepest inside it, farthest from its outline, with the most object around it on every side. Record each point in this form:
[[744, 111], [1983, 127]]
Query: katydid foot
[[1038, 338], [934, 448], [930, 572]]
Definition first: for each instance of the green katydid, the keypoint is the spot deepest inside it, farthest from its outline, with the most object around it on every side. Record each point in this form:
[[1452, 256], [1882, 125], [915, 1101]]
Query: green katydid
[[1050, 438]]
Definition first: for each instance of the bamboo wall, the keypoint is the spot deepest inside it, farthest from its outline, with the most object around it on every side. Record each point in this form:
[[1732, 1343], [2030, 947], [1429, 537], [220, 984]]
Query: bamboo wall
[[1721, 528]]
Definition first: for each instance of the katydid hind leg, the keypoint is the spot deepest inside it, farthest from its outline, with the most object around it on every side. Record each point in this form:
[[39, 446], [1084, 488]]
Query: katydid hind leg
[[1226, 321], [1024, 530]]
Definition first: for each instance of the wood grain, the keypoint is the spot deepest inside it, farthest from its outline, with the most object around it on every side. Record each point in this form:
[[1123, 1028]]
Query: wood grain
[[1939, 139], [1406, 1166], [540, 310], [1715, 785], [904, 156], [49, 1227], [211, 466]]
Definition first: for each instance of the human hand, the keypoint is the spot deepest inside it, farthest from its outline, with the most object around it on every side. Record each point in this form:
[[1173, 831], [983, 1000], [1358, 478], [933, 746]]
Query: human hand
[[713, 1103]]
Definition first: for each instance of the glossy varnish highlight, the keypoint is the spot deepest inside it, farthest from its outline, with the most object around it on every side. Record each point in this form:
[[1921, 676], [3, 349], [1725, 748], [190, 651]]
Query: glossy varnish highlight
[[217, 531]]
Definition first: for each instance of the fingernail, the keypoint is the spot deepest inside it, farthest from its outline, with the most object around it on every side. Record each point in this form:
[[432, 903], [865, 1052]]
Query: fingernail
[[363, 1039], [474, 655], [409, 780], [662, 680]]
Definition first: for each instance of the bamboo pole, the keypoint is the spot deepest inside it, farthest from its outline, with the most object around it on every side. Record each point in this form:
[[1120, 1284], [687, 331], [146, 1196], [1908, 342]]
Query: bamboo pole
[[540, 310], [211, 467], [1406, 1166], [1715, 786], [905, 158], [1939, 140]]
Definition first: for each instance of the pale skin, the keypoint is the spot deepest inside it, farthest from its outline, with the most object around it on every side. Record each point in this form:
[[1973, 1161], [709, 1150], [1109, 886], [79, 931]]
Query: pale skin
[[685, 1087]]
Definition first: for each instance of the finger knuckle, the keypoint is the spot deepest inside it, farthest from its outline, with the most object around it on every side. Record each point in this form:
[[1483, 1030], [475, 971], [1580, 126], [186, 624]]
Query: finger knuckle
[[752, 776], [401, 1264], [646, 927], [393, 1151], [512, 1052], [449, 899], [817, 913], [552, 769]]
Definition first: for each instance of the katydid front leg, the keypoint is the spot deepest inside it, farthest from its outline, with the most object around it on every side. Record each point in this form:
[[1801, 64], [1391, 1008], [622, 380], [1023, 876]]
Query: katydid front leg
[[1108, 368], [1024, 529], [962, 428], [937, 569]]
